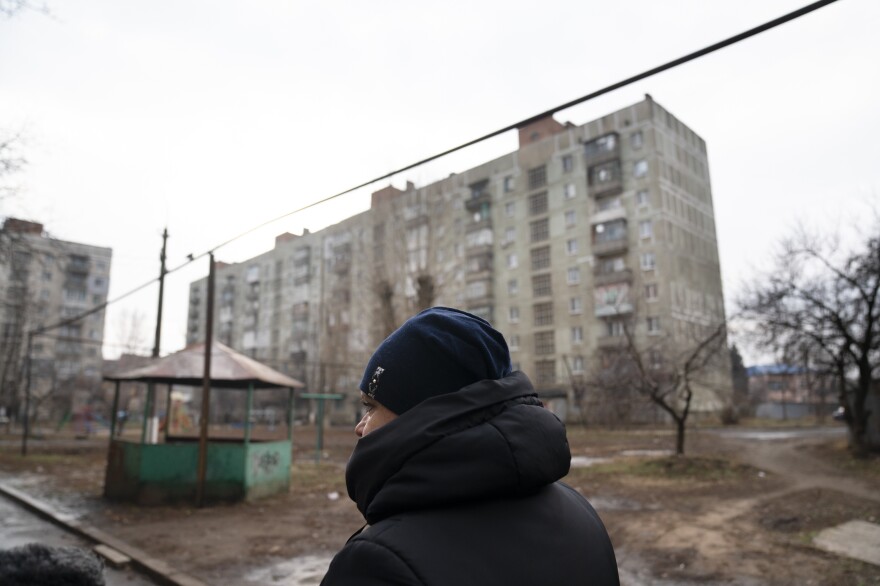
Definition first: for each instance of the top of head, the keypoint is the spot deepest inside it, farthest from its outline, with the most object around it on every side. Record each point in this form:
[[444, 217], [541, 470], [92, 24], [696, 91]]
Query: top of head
[[436, 352]]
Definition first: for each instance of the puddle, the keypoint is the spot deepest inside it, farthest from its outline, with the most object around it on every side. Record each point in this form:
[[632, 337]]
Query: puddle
[[586, 461], [602, 503], [300, 571], [649, 453]]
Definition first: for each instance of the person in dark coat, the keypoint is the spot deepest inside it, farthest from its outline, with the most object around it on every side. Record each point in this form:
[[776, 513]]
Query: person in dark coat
[[457, 470]]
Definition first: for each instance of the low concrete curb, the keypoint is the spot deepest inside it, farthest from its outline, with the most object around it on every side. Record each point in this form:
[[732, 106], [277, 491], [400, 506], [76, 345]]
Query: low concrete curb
[[156, 569]]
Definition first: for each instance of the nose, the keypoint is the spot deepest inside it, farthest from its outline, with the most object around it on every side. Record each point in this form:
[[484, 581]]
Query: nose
[[359, 428]]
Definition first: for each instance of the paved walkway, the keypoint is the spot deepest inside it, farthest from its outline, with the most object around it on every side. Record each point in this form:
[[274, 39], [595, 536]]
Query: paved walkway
[[157, 570]]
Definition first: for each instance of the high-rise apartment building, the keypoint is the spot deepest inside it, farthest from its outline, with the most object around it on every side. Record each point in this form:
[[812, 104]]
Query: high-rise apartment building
[[582, 238], [44, 281]]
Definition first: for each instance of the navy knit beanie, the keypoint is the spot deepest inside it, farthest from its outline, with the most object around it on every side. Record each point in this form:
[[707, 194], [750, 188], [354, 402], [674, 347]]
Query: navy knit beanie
[[436, 352]]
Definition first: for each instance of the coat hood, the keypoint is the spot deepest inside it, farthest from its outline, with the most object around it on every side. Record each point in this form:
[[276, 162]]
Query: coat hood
[[492, 439]]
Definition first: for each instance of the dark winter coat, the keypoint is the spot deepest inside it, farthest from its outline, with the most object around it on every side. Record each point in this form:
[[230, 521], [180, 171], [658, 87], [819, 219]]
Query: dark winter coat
[[462, 490]]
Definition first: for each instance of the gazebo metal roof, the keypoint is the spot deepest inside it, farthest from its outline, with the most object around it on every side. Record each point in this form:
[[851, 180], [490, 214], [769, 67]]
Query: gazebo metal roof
[[229, 370]]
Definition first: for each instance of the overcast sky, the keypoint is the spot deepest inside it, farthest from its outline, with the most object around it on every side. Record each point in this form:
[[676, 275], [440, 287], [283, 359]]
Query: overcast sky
[[211, 117]]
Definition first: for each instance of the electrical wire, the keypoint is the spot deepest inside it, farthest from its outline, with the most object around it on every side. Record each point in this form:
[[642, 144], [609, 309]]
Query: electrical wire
[[525, 122]]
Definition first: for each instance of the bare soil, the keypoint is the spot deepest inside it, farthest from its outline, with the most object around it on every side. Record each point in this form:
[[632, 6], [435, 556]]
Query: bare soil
[[733, 511]]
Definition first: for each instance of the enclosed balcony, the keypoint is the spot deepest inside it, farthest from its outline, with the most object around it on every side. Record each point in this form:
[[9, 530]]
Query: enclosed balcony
[[605, 179], [610, 238]]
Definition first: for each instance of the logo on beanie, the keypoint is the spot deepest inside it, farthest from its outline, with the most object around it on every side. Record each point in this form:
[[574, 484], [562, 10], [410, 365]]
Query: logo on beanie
[[374, 382]]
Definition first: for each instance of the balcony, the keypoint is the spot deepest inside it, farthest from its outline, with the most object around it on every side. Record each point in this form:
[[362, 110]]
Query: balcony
[[612, 310], [600, 278], [609, 247], [477, 200], [611, 342], [602, 149], [605, 179]]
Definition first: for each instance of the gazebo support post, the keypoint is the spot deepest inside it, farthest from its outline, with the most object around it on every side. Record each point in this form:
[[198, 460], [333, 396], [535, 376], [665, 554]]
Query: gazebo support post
[[290, 416], [145, 423], [167, 412], [114, 412], [247, 414]]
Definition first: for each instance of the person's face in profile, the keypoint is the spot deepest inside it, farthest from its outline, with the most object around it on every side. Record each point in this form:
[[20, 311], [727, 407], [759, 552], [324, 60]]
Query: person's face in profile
[[375, 416]]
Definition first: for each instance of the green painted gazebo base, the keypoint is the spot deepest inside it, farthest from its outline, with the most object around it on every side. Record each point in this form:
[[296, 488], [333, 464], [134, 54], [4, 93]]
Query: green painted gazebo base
[[166, 473]]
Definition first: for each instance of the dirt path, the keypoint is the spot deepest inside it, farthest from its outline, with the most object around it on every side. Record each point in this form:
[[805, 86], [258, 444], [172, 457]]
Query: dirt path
[[750, 528], [793, 460]]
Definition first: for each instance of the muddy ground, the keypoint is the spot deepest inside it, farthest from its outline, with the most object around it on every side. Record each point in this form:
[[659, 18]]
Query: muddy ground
[[737, 510]]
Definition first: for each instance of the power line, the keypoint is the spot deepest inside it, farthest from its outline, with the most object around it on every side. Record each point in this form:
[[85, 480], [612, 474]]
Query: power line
[[607, 89]]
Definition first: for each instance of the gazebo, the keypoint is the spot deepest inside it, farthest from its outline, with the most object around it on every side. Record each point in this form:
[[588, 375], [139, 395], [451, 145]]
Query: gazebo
[[201, 468]]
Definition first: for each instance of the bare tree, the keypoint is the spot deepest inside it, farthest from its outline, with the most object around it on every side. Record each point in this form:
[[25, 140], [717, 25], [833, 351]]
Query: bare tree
[[12, 162], [406, 276], [663, 370], [10, 8], [829, 301], [131, 336]]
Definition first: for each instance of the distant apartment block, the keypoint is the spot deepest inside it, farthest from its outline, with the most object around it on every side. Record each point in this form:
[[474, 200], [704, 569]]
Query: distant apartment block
[[557, 244], [44, 281]]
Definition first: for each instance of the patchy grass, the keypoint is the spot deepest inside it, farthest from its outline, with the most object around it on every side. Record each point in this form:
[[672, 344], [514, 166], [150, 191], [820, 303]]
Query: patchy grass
[[805, 513], [323, 477], [685, 468], [838, 455]]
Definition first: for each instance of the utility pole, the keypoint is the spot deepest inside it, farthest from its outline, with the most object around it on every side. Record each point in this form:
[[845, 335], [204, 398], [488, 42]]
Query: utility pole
[[206, 391], [151, 387]]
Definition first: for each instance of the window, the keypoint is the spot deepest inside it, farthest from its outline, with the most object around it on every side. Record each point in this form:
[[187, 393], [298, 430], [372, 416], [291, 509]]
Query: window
[[543, 314], [541, 285], [537, 177], [655, 358], [574, 276], [477, 289], [603, 144], [640, 169], [645, 229], [538, 203], [577, 335], [605, 173], [544, 343], [567, 163], [653, 325], [540, 230], [608, 231], [569, 191], [636, 140], [571, 246], [509, 234], [545, 372], [508, 184], [614, 328], [509, 209], [540, 258], [642, 198], [47, 275], [575, 305], [577, 365], [99, 282], [512, 287], [570, 219], [513, 315], [612, 265], [479, 188], [608, 203], [512, 261], [651, 292], [513, 343], [649, 261], [482, 213], [97, 299]]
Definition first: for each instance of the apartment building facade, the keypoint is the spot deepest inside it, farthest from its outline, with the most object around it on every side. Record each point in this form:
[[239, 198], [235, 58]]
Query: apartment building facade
[[44, 281], [584, 236]]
